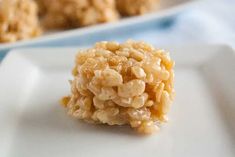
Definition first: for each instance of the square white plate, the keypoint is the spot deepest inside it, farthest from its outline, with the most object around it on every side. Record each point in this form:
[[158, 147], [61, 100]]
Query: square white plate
[[202, 117]]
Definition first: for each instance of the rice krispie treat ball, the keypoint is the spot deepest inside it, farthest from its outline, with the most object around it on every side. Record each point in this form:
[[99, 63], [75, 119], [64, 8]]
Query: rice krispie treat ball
[[116, 84], [41, 7], [76, 13], [18, 20], [136, 7]]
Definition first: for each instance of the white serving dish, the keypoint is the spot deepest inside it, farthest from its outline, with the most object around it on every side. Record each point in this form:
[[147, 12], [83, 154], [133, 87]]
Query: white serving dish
[[168, 9], [34, 124]]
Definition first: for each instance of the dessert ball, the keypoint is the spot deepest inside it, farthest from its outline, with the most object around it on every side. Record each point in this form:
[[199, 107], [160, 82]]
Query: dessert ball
[[18, 20], [136, 7], [116, 84], [63, 14]]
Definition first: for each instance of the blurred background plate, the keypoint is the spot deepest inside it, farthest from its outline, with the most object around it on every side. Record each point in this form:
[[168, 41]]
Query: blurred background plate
[[87, 35]]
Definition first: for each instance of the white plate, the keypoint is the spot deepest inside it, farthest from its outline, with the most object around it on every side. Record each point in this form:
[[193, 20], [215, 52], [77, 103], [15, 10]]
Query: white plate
[[34, 124], [168, 8]]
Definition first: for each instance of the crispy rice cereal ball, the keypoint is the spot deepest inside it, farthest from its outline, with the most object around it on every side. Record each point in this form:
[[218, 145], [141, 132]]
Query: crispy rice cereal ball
[[41, 7], [75, 13], [116, 84], [18, 20], [136, 7]]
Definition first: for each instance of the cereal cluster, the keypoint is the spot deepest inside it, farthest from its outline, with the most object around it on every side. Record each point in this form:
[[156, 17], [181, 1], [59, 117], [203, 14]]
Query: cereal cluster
[[76, 13], [18, 20], [116, 84], [136, 7]]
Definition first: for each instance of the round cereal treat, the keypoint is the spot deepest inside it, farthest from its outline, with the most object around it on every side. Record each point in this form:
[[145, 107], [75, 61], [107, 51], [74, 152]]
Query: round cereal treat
[[136, 7], [63, 14], [41, 7], [116, 84], [18, 20]]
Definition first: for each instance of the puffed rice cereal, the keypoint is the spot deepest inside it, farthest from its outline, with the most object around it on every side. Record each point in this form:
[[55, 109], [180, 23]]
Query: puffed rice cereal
[[76, 13], [18, 20], [130, 83], [136, 7]]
